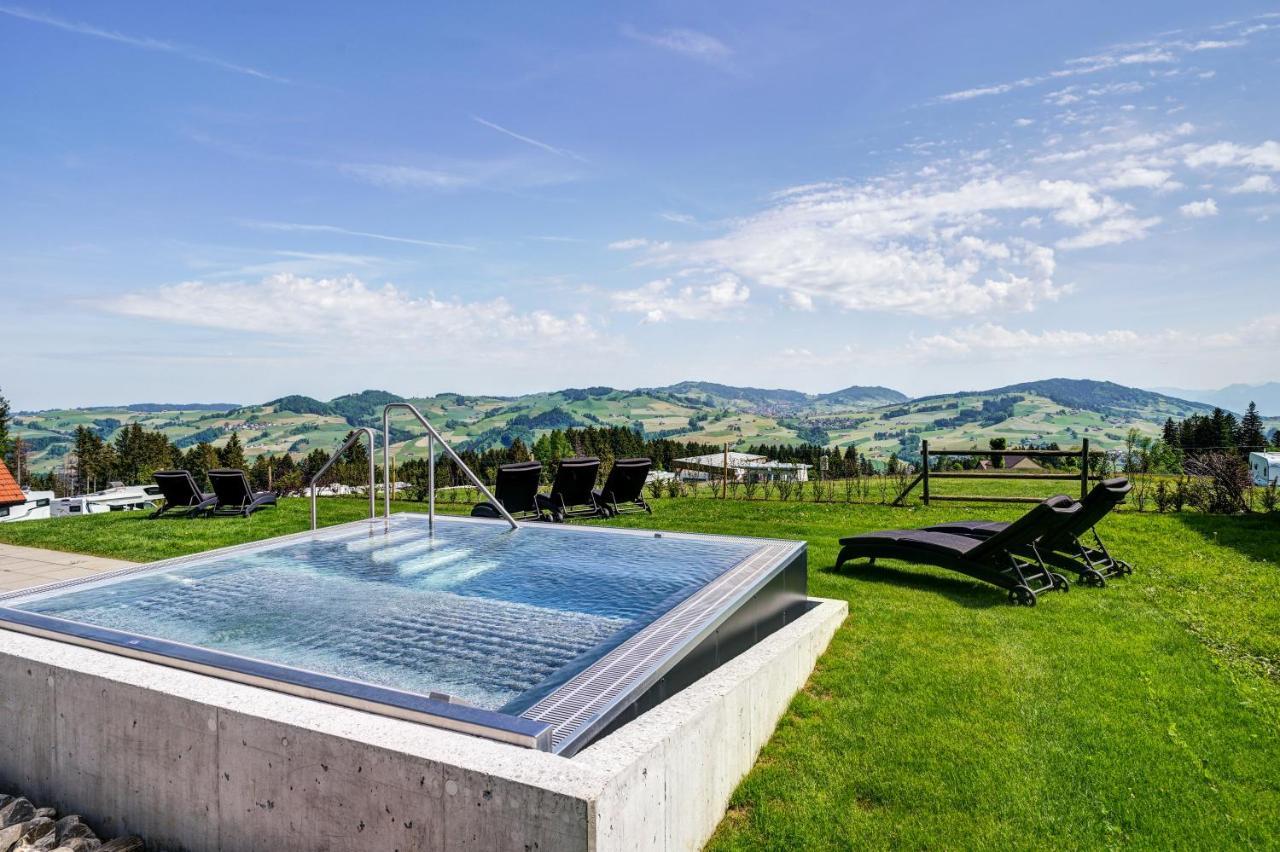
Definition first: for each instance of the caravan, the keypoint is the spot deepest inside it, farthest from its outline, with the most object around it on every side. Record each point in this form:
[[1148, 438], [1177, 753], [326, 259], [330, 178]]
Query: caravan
[[117, 498], [1264, 467]]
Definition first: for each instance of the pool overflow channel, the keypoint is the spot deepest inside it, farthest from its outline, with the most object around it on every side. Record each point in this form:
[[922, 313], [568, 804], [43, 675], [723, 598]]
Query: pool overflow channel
[[764, 588]]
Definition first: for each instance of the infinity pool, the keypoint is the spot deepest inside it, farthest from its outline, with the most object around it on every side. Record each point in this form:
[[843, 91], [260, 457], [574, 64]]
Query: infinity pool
[[476, 621]]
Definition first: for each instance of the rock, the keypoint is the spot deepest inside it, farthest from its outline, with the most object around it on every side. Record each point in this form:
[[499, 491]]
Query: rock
[[9, 836], [123, 844], [80, 844], [38, 837], [19, 810], [72, 826], [47, 813], [5, 799]]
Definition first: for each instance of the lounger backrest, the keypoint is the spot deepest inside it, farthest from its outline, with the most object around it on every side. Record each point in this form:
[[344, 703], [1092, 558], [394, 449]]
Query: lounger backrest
[[1104, 497], [231, 487], [178, 487], [626, 479], [1042, 518], [517, 485], [575, 480]]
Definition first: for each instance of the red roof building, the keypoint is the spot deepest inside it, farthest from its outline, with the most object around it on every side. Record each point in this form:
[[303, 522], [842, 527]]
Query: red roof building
[[10, 493]]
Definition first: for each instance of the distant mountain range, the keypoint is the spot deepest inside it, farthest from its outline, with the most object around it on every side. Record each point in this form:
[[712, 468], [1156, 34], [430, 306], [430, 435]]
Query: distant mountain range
[[877, 420], [1235, 397]]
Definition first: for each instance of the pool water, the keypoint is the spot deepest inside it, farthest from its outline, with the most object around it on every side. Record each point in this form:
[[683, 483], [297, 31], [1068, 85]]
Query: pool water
[[491, 617]]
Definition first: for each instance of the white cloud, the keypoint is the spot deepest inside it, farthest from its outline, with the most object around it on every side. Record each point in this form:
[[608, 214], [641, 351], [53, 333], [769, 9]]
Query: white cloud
[[1110, 231], [1023, 122], [405, 177], [1255, 183], [629, 244], [661, 300], [992, 340], [916, 249], [142, 42], [338, 312], [1199, 209], [294, 227], [690, 43], [1128, 176], [1264, 157], [1166, 52]]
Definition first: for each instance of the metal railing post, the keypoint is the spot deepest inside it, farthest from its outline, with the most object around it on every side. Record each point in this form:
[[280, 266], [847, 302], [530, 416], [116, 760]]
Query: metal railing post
[[434, 436], [355, 436], [386, 466], [431, 484]]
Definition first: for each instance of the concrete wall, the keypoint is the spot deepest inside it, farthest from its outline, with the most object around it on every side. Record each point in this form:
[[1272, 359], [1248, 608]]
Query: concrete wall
[[194, 762]]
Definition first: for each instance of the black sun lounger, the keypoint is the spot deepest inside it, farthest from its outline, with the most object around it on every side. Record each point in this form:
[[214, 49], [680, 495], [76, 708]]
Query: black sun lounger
[[181, 494], [235, 495], [572, 491], [1062, 546], [623, 490], [517, 491], [1007, 559]]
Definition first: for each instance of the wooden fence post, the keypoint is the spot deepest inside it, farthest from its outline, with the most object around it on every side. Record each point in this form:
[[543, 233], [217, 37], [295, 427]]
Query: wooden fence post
[[1084, 469], [924, 457]]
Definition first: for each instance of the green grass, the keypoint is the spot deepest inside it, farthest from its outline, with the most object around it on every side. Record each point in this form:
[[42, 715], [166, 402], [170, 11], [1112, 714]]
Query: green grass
[[1146, 714]]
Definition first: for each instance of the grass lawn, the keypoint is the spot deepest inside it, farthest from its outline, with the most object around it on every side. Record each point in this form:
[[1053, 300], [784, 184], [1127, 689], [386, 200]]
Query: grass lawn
[[1146, 714]]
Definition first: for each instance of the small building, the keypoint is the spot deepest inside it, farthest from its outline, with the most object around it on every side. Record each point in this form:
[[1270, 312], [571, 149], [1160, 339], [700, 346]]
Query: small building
[[742, 467], [1265, 468], [1021, 463]]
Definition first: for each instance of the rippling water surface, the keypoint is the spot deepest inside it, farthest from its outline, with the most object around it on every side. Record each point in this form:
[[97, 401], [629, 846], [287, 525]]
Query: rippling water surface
[[491, 616]]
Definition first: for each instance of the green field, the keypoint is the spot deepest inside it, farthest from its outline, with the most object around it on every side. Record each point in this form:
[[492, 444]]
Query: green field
[[1146, 714]]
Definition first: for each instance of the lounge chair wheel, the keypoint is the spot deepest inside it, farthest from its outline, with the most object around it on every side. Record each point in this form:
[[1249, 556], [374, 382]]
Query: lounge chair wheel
[[1093, 578], [1125, 568], [1022, 596], [1060, 582]]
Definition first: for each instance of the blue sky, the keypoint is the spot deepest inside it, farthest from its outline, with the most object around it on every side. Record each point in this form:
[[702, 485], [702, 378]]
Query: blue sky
[[234, 201]]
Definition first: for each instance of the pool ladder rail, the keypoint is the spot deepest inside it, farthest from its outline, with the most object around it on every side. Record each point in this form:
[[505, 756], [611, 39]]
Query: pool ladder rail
[[432, 437]]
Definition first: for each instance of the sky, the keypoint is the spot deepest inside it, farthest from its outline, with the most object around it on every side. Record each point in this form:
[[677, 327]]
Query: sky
[[234, 201]]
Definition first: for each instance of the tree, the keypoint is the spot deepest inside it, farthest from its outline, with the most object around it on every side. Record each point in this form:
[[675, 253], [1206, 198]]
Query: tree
[[4, 427], [199, 460], [1251, 435], [998, 444], [231, 455], [1170, 433]]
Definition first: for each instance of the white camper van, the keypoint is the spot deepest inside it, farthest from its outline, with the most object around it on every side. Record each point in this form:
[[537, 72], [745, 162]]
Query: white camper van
[[1265, 467], [34, 508]]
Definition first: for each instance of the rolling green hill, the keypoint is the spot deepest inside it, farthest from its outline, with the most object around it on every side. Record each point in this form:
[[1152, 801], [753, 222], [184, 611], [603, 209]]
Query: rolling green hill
[[876, 420]]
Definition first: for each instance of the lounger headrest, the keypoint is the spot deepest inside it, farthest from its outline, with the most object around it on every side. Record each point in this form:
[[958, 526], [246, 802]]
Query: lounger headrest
[[632, 462], [520, 467], [580, 461], [1043, 517]]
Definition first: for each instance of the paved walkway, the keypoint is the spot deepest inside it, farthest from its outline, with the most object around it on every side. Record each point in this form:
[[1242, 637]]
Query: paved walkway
[[24, 567]]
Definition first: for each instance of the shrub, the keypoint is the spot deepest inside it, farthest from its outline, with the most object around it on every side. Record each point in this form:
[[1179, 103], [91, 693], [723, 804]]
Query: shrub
[[749, 489], [1222, 483], [785, 489]]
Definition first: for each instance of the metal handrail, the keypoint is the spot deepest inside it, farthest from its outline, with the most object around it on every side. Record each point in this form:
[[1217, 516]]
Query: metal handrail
[[355, 436], [432, 437]]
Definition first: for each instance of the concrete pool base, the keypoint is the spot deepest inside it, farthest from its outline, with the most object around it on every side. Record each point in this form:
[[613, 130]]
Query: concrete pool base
[[194, 762]]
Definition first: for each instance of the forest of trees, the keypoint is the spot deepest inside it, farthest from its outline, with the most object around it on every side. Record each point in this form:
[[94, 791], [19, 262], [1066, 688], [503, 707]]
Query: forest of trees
[[1218, 431]]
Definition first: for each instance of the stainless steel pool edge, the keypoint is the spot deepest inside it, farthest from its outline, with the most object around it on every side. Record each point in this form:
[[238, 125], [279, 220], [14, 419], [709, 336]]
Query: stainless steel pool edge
[[660, 645], [370, 698]]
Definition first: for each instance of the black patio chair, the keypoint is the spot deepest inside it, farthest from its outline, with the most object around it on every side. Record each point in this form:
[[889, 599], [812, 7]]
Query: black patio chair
[[235, 495], [572, 490], [181, 494], [1008, 559], [623, 490], [516, 489], [1062, 546]]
